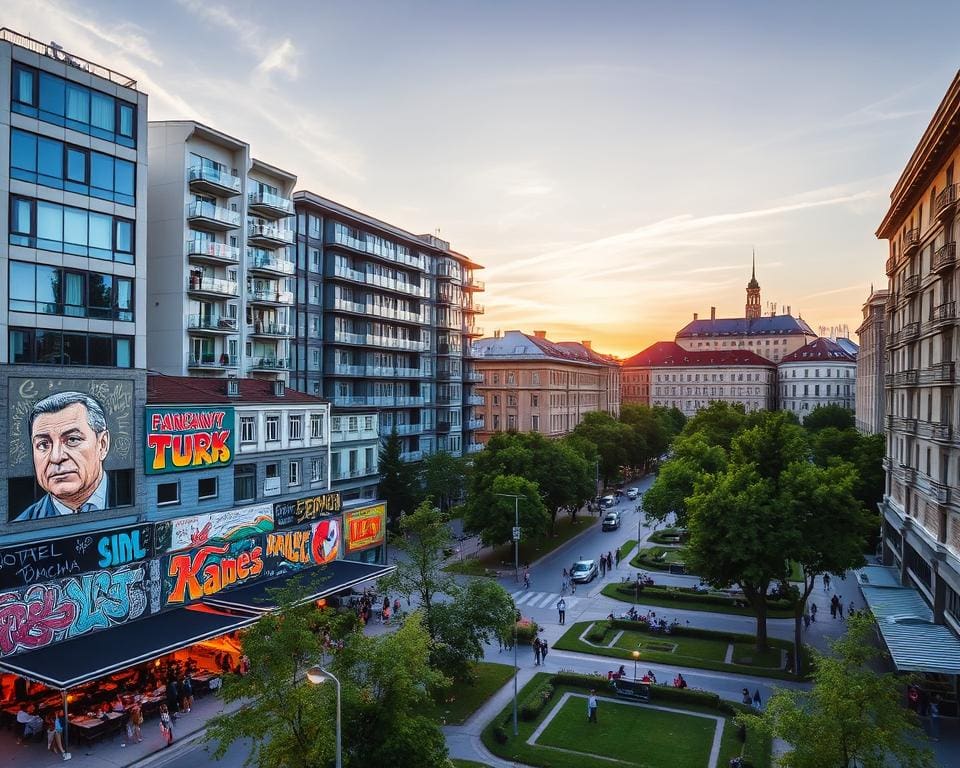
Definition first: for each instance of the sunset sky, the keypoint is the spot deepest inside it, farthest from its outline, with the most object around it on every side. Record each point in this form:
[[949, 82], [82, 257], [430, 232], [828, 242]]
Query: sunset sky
[[613, 164]]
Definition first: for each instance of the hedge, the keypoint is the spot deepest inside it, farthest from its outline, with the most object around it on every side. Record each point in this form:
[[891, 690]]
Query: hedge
[[687, 595], [660, 537], [682, 630], [534, 703]]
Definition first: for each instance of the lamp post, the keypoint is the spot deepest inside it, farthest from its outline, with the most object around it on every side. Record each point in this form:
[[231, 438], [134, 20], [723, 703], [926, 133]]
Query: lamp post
[[317, 676], [636, 658], [516, 577]]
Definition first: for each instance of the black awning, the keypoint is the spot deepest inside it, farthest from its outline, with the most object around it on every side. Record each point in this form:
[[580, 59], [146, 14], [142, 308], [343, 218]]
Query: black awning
[[74, 662], [328, 579]]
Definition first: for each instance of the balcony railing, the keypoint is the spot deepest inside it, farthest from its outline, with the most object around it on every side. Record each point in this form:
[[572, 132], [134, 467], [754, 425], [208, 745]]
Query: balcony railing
[[269, 232], [473, 330], [477, 309], [474, 424], [475, 285], [474, 376], [939, 373], [207, 250], [273, 264], [945, 257], [474, 447], [946, 201], [911, 284], [395, 285], [270, 297], [909, 331], [214, 324], [891, 266], [270, 203], [373, 248], [213, 361], [214, 285], [217, 216], [945, 312], [268, 364], [910, 241], [214, 179], [263, 328], [411, 456], [473, 400]]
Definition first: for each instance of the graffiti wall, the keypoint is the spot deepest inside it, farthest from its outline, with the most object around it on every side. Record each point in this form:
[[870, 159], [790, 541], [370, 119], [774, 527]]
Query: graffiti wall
[[365, 527], [42, 614], [37, 561], [197, 530], [287, 513], [178, 440]]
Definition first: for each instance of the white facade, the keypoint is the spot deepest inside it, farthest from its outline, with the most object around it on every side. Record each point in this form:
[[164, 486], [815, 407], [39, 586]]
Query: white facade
[[221, 270], [808, 385], [691, 388]]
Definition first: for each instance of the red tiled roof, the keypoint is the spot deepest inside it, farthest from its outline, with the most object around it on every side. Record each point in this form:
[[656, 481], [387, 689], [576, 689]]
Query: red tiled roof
[[669, 353], [194, 390], [820, 350]]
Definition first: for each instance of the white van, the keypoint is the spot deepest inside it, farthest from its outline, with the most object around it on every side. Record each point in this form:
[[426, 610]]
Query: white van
[[608, 501], [632, 494]]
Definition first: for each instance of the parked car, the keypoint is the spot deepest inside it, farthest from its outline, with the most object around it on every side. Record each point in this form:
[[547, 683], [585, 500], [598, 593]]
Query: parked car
[[608, 501], [584, 571], [611, 522], [632, 494]]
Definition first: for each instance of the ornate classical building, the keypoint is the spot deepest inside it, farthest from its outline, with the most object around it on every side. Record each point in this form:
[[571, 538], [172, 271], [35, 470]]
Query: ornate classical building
[[820, 373], [532, 384], [871, 363]]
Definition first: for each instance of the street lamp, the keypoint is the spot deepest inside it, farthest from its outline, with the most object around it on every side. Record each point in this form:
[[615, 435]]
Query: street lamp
[[516, 577], [318, 676], [636, 658]]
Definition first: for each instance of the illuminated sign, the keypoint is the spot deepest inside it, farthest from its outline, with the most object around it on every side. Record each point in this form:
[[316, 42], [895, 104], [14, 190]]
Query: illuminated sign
[[287, 513], [182, 439], [365, 527]]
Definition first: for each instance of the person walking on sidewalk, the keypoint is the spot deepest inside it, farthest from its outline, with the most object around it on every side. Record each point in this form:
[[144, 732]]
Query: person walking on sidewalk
[[617, 557], [603, 565], [826, 582], [813, 612], [562, 609], [536, 651], [592, 707], [834, 602], [840, 607], [526, 579]]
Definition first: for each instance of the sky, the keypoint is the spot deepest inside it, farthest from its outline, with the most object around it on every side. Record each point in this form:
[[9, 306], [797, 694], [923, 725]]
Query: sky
[[613, 165]]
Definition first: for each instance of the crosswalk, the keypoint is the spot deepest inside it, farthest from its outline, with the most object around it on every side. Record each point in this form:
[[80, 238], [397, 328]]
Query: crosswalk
[[542, 599]]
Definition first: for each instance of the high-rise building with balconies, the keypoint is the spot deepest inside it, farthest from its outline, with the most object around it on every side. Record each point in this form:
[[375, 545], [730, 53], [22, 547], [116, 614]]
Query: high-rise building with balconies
[[221, 273], [871, 363], [384, 321]]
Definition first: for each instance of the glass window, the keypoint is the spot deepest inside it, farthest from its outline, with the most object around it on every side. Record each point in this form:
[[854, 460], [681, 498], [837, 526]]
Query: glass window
[[100, 350], [101, 174], [124, 184], [21, 342], [78, 104], [74, 349], [100, 296], [101, 112], [23, 152], [75, 231], [76, 166], [20, 217], [49, 162], [207, 488], [124, 287], [51, 98], [49, 225], [73, 294], [244, 482], [23, 85], [124, 357], [48, 290], [127, 122], [168, 493], [22, 287], [49, 347], [101, 235], [123, 250]]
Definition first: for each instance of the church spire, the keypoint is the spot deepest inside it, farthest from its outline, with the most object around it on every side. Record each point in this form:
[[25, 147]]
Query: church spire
[[753, 292]]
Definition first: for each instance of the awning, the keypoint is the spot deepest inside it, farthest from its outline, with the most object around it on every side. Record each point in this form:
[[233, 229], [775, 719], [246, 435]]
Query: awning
[[905, 622], [74, 662], [327, 579], [879, 576]]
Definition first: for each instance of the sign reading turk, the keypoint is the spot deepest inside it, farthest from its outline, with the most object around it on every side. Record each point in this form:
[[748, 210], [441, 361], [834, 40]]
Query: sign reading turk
[[179, 440]]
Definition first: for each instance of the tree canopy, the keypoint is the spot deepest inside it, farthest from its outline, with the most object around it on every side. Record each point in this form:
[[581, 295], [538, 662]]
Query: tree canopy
[[399, 485], [823, 416]]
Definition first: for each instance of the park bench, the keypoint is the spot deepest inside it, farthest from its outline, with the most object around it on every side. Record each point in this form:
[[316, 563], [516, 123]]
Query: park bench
[[633, 689]]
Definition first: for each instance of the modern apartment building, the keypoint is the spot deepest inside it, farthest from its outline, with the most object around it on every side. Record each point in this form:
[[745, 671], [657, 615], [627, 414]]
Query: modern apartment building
[[355, 453], [384, 321], [531, 384], [667, 374], [221, 271], [871, 363], [921, 505], [819, 374], [73, 139]]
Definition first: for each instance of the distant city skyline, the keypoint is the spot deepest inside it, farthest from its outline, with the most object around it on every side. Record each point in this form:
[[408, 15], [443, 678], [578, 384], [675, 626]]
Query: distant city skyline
[[612, 165]]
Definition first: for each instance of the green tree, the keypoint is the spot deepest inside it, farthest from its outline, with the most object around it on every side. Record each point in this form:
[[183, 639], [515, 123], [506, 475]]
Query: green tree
[[398, 479], [672, 419], [443, 478], [829, 416], [491, 514], [426, 535], [853, 716], [287, 722], [718, 423], [772, 444], [693, 458], [611, 438], [651, 434], [387, 682]]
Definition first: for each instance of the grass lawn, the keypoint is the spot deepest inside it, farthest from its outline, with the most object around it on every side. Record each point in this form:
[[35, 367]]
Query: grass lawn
[[660, 598], [626, 548], [796, 571], [680, 741], [659, 558], [462, 700], [695, 652], [618, 728]]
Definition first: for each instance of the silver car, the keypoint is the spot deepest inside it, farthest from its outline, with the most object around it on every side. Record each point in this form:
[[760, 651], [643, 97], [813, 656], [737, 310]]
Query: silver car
[[584, 571]]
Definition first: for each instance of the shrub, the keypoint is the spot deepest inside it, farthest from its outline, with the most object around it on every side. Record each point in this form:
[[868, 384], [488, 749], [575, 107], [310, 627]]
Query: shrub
[[526, 630], [579, 680], [598, 632], [534, 703], [500, 735], [685, 595]]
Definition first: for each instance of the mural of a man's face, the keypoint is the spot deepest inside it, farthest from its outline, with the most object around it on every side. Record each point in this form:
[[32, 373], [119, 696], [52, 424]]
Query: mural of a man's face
[[68, 455]]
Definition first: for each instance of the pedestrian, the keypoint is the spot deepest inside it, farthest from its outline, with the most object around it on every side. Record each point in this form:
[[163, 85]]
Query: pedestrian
[[133, 724], [934, 714], [813, 611], [746, 699], [562, 609], [609, 561], [806, 620], [186, 693], [54, 739], [173, 696], [543, 650], [603, 565], [834, 603], [526, 579], [617, 557], [756, 700], [840, 606], [573, 587], [536, 651], [592, 707], [166, 725], [826, 582], [851, 609]]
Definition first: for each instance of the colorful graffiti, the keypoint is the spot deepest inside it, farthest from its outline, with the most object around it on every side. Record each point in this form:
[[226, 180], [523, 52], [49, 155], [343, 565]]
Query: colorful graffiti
[[365, 527], [179, 440], [205, 571], [198, 530], [48, 613], [287, 513]]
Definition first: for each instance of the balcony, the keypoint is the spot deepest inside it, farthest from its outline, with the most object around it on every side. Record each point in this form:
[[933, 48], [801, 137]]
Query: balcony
[[269, 235], [945, 313], [394, 285], [347, 474], [473, 284], [945, 257], [216, 181], [474, 424], [447, 270], [379, 250], [349, 400], [476, 309], [269, 204], [443, 427], [906, 378], [270, 298], [350, 274], [911, 285], [212, 286], [910, 241], [474, 448], [902, 424], [411, 456], [214, 325], [891, 266], [210, 216], [269, 264], [946, 202], [210, 252], [939, 373], [909, 331], [267, 364], [410, 345], [473, 400], [474, 330], [271, 330], [402, 429], [474, 376], [891, 301], [212, 362]]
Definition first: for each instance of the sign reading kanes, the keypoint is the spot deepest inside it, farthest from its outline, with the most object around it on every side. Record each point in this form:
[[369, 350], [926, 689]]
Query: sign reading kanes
[[189, 438]]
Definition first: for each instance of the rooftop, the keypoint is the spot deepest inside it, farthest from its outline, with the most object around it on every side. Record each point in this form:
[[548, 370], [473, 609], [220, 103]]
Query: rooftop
[[820, 350], [770, 325], [194, 390], [671, 354], [514, 345]]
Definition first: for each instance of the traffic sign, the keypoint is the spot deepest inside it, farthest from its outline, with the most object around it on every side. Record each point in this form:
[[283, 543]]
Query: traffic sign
[[516, 533]]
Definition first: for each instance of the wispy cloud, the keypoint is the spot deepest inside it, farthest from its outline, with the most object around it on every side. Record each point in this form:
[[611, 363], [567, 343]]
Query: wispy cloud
[[282, 58], [834, 291]]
